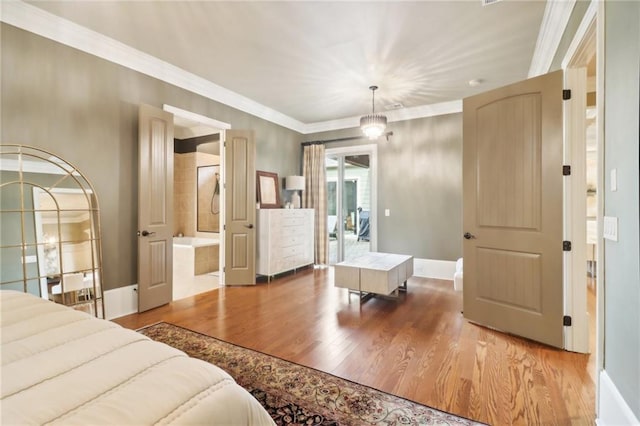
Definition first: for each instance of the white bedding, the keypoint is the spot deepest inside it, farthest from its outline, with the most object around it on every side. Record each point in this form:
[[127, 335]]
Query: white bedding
[[63, 366]]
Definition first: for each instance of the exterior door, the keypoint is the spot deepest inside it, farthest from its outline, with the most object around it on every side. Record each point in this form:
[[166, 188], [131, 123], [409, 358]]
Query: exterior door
[[155, 208], [512, 209], [240, 208], [351, 201]]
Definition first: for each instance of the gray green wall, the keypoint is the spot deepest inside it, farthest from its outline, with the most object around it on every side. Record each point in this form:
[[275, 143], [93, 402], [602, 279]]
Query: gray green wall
[[622, 257], [85, 110], [420, 182]]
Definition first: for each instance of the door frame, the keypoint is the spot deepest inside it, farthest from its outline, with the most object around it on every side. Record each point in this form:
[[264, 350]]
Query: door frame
[[222, 126], [372, 151], [583, 45]]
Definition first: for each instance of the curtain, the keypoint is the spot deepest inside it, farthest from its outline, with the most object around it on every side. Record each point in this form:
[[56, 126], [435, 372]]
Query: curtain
[[315, 197]]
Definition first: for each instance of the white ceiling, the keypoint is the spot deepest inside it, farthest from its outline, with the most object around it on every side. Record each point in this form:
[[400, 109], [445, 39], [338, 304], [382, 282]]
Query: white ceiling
[[314, 61]]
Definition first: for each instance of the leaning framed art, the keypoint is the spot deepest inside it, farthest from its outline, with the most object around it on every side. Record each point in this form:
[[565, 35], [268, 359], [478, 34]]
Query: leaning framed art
[[268, 190]]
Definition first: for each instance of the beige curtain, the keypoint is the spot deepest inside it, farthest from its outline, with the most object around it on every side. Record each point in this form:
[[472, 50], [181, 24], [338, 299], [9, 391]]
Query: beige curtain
[[315, 197]]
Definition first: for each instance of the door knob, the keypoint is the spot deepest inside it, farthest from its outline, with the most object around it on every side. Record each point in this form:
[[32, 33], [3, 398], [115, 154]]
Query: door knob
[[250, 226], [468, 236], [146, 233]]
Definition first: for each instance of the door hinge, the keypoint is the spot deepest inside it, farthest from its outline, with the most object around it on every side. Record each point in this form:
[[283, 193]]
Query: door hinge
[[566, 321], [224, 227], [566, 94], [566, 246], [566, 170]]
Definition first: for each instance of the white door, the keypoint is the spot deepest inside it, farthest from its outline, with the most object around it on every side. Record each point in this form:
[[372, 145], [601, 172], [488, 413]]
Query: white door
[[512, 209], [240, 208], [155, 207]]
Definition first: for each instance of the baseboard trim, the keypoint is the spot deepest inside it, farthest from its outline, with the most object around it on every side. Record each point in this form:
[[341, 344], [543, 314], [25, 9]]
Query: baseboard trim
[[613, 409], [438, 269], [120, 301]]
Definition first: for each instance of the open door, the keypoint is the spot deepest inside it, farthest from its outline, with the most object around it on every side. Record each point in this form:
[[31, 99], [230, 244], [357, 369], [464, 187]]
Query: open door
[[512, 209], [240, 208], [155, 207]]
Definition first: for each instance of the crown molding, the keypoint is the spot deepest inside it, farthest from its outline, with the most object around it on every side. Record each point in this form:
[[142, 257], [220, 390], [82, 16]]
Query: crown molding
[[584, 41], [554, 22], [404, 114], [45, 24], [38, 21]]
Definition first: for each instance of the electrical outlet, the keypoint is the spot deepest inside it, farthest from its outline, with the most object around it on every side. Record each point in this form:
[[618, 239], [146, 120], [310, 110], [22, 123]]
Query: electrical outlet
[[610, 228]]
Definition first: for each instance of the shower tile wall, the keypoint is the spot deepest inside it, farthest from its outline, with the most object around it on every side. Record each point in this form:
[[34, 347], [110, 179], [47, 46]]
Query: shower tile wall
[[206, 259], [184, 194]]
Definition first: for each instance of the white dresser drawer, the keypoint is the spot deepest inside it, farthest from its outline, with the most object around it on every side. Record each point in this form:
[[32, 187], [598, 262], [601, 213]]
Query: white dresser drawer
[[285, 240]]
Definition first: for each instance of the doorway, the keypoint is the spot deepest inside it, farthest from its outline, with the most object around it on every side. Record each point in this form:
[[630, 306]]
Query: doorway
[[582, 209], [351, 201], [198, 247]]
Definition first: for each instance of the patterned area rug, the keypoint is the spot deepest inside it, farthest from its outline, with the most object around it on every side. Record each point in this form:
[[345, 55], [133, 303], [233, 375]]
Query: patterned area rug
[[298, 395]]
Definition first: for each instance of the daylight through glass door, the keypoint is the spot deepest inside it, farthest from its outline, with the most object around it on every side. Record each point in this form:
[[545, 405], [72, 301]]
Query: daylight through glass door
[[348, 206]]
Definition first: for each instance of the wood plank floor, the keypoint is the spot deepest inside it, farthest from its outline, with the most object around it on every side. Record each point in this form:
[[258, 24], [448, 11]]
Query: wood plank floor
[[420, 348]]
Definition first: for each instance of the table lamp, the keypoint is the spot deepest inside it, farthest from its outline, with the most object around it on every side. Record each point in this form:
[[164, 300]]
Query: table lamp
[[295, 184]]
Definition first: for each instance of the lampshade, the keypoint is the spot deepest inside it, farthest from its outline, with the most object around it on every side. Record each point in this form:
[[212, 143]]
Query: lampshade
[[294, 183], [373, 125]]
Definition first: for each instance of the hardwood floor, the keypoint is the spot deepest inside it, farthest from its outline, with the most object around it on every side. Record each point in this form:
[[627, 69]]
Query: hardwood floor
[[420, 348]]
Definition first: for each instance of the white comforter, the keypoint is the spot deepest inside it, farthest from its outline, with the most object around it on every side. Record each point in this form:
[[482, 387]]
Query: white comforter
[[62, 366]]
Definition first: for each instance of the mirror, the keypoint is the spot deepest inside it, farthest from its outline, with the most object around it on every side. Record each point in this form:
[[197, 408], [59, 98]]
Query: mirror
[[208, 199], [49, 229]]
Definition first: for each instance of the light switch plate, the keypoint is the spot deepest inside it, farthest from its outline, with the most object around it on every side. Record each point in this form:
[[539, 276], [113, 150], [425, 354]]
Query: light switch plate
[[610, 228], [614, 180], [387, 212]]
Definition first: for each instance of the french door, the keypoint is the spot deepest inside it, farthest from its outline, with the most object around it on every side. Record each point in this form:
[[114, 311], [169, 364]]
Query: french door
[[351, 206]]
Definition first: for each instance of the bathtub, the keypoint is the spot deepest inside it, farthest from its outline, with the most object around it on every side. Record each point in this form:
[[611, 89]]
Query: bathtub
[[195, 255], [195, 241]]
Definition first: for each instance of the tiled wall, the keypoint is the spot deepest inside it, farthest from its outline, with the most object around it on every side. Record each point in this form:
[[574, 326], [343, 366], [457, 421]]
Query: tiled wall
[[208, 219], [190, 261], [184, 194], [206, 259]]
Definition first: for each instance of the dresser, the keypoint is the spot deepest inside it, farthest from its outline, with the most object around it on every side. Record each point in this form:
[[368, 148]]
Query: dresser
[[284, 240]]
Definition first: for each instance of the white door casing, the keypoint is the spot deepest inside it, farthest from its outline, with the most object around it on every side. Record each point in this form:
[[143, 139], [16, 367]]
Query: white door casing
[[579, 54]]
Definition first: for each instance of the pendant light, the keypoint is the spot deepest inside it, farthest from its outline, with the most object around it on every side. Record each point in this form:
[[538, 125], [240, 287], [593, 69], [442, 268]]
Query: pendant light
[[373, 125]]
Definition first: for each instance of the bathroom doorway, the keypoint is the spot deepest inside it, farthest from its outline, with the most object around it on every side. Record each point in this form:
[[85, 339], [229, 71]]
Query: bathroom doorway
[[198, 199]]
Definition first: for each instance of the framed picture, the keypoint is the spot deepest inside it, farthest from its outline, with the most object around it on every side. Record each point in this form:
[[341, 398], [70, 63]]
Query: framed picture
[[268, 190]]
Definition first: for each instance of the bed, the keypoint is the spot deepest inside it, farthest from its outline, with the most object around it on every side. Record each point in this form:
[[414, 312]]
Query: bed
[[62, 366]]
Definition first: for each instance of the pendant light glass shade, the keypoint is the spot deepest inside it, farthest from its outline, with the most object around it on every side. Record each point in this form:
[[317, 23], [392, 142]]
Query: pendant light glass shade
[[373, 125]]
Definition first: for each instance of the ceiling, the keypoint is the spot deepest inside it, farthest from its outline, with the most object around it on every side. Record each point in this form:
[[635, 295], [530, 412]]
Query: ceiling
[[314, 61]]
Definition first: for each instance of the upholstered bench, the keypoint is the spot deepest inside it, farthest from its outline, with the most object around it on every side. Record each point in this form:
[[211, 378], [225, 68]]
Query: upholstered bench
[[375, 274]]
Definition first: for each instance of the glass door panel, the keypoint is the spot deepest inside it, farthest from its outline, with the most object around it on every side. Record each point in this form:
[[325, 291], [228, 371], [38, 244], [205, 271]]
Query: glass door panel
[[348, 206], [331, 165]]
